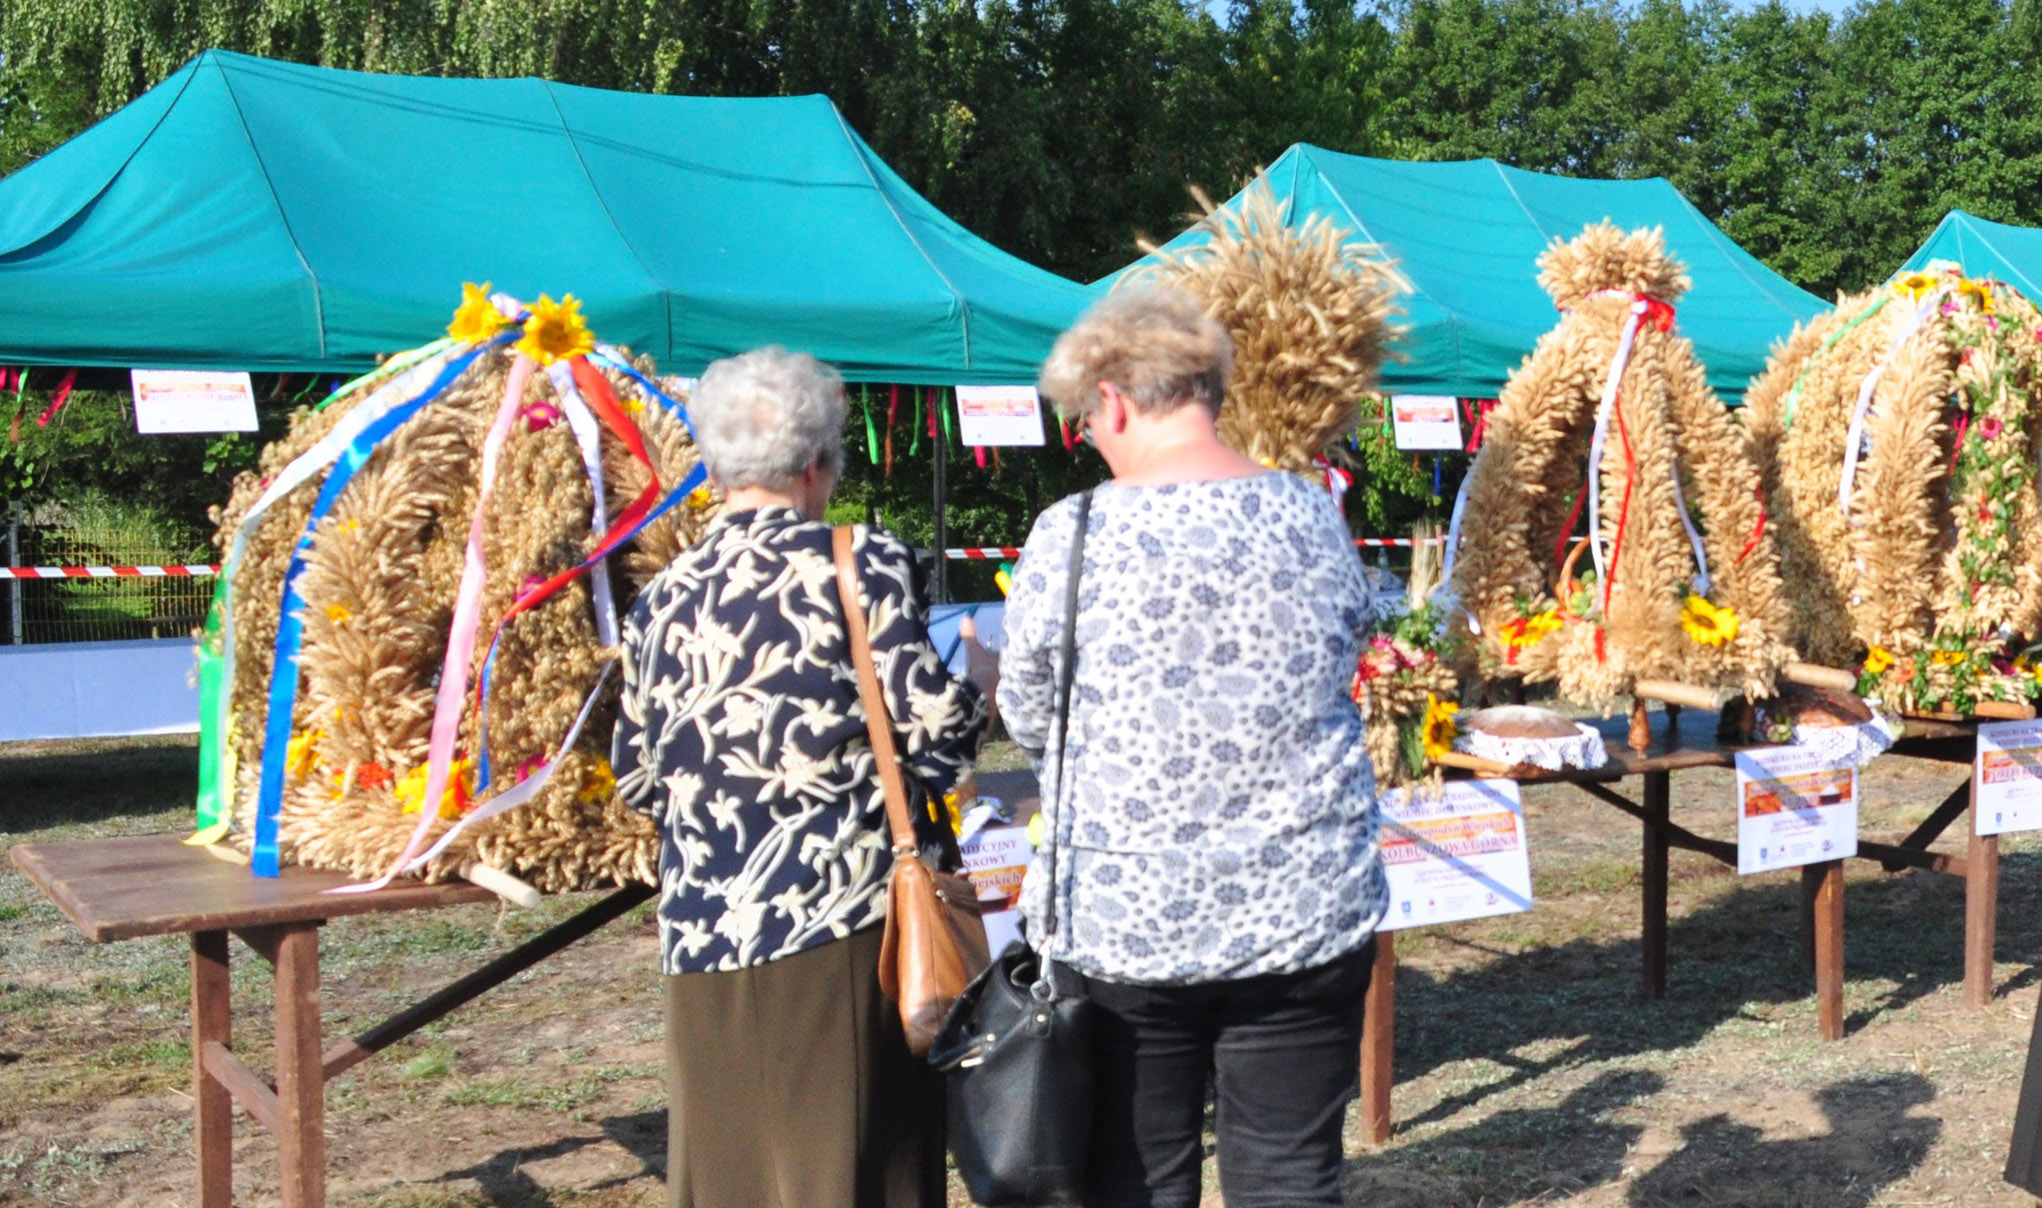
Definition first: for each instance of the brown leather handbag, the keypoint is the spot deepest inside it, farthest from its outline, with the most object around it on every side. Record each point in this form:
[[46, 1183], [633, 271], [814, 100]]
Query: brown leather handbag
[[935, 941]]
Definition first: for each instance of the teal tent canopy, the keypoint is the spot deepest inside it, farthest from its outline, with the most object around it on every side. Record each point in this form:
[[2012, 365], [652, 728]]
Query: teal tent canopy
[[1468, 235], [250, 214], [1983, 248]]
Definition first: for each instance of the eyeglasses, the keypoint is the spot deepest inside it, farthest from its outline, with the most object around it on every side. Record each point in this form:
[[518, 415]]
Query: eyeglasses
[[1085, 432]]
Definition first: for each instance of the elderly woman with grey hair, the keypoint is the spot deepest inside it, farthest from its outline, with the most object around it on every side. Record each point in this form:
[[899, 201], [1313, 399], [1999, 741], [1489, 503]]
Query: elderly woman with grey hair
[[741, 733], [1209, 868]]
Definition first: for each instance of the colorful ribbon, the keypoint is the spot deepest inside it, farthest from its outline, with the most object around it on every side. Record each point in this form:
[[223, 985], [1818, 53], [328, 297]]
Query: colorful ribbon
[[453, 687], [526, 789], [583, 386], [57, 403], [1643, 311], [399, 394], [264, 859]]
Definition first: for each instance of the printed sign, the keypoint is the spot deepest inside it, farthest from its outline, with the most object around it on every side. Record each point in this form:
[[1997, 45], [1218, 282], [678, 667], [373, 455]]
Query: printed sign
[[1426, 421], [2007, 784], [1454, 853], [996, 858], [999, 415], [1794, 806], [192, 400]]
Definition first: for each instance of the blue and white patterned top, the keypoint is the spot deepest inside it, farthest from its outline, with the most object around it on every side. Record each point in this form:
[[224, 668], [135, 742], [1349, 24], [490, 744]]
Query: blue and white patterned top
[[740, 731], [1223, 818]]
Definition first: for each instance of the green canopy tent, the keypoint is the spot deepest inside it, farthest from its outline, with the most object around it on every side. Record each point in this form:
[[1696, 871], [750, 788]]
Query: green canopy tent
[[1467, 234], [1983, 248], [250, 214]]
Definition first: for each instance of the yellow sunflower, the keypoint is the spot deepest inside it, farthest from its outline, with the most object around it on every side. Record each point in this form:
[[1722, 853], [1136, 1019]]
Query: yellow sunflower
[[1440, 727], [1978, 291], [1877, 660], [1946, 658], [1707, 624], [1914, 285], [476, 319], [555, 331], [339, 614]]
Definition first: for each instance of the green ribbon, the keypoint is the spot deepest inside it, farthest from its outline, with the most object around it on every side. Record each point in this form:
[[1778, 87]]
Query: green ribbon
[[212, 799], [915, 445], [871, 429], [396, 364], [1794, 394]]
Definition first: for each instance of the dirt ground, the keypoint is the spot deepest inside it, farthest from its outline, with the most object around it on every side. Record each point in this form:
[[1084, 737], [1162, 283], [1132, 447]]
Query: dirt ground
[[1529, 1070]]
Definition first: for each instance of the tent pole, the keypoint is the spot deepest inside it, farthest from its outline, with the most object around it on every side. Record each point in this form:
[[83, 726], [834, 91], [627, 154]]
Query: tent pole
[[942, 573]]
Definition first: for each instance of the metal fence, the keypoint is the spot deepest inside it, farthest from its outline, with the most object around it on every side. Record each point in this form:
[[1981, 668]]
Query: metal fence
[[99, 610]]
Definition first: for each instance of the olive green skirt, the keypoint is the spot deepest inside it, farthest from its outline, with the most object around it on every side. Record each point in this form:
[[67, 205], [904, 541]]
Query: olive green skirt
[[791, 1087]]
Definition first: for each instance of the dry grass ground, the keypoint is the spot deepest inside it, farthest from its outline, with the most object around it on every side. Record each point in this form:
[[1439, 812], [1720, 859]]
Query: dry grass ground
[[1529, 1070]]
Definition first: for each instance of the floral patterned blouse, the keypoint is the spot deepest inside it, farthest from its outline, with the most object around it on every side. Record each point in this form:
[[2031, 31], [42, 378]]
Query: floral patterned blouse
[[1221, 816], [740, 731]]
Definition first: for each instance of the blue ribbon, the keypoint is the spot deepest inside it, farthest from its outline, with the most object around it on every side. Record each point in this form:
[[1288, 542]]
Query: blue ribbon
[[264, 859], [689, 484], [669, 402]]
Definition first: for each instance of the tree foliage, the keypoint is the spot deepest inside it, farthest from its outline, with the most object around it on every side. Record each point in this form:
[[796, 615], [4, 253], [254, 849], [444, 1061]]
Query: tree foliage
[[1063, 130]]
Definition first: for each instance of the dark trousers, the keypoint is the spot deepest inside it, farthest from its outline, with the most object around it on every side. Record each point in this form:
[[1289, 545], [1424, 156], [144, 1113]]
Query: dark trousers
[[1284, 1055]]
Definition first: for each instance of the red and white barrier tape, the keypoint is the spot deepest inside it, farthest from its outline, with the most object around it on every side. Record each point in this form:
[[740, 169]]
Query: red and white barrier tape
[[106, 572]]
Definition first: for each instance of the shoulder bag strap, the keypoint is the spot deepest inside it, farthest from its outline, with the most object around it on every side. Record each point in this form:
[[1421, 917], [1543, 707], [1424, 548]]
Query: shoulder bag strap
[[1067, 674], [878, 722]]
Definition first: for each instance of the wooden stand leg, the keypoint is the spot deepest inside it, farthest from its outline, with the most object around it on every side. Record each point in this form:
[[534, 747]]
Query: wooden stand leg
[[213, 1129], [1823, 883], [1981, 910], [301, 1084], [1378, 1041], [1658, 797]]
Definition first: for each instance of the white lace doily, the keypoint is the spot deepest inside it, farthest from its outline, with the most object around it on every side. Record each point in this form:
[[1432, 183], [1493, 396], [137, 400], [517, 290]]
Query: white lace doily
[[1581, 749], [1386, 595]]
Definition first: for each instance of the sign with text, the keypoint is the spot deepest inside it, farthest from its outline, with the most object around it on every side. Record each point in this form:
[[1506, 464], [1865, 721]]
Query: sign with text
[[1426, 421], [999, 415], [192, 400], [1794, 807], [2007, 778], [1454, 852], [996, 858]]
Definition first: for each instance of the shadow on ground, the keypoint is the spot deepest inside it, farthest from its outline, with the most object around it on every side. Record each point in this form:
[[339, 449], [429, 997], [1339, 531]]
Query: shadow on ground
[[503, 1181], [1736, 957]]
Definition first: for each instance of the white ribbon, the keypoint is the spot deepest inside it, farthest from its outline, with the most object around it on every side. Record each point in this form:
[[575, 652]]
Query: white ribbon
[[588, 436], [1453, 552], [526, 789], [1855, 439], [1694, 539]]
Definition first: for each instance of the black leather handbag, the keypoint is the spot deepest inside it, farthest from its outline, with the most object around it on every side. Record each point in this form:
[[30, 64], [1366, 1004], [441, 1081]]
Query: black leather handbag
[[1018, 1043]]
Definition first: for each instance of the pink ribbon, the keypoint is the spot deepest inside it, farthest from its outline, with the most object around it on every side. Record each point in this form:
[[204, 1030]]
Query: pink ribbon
[[57, 403], [453, 690]]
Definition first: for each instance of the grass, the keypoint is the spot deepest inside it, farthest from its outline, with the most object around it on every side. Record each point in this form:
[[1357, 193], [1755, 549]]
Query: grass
[[1529, 1070]]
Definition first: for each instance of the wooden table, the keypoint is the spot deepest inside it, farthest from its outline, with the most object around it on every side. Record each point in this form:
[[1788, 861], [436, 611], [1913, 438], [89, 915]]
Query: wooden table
[[1682, 741], [117, 889]]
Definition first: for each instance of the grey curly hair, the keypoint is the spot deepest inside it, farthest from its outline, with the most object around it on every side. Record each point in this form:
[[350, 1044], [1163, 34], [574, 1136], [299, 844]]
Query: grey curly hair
[[764, 417]]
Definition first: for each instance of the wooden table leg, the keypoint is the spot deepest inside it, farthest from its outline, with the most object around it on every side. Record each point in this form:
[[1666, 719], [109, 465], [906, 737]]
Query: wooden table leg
[[1981, 910], [1658, 797], [301, 1083], [1378, 1041], [1823, 884], [211, 1020]]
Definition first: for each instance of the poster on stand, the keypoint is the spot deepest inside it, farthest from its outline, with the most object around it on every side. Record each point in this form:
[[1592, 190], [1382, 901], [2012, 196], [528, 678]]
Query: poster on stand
[[999, 415], [1454, 852], [2007, 778], [192, 400], [1794, 807], [1426, 421], [996, 856]]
